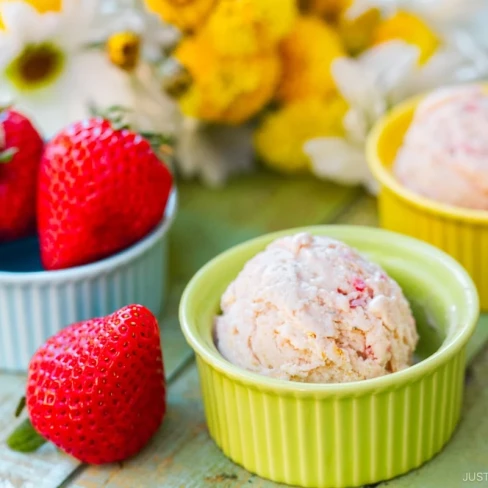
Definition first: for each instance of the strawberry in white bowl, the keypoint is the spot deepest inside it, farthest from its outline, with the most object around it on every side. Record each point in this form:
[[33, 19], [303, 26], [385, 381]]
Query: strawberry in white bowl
[[101, 189]]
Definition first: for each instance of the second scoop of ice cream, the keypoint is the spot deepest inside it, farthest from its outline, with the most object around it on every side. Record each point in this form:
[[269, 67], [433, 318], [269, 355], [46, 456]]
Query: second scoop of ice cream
[[444, 156], [312, 309]]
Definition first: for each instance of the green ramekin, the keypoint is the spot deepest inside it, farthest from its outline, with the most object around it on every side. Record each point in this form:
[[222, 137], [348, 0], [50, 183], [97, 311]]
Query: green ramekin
[[349, 434]]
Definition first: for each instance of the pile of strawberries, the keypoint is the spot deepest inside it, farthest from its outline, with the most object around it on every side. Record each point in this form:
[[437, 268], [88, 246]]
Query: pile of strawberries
[[97, 388], [95, 189]]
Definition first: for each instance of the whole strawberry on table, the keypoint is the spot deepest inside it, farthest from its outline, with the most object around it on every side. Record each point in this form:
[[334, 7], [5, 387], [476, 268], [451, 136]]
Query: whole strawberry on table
[[96, 389]]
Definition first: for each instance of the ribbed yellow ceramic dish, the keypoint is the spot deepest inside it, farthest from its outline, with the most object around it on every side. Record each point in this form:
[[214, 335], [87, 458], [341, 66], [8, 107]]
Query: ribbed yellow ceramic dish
[[350, 434], [463, 233]]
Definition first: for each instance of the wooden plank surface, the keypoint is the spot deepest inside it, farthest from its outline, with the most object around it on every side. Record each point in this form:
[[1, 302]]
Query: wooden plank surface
[[42, 470], [181, 454]]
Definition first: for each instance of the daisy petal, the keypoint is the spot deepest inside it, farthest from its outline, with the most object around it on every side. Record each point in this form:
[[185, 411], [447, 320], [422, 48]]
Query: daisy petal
[[10, 48], [156, 112], [335, 159], [447, 11], [23, 22], [356, 125], [390, 62], [364, 95], [440, 70], [209, 151], [76, 28]]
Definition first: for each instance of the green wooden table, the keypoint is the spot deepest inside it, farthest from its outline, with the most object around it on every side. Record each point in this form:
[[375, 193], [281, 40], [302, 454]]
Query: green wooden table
[[182, 455]]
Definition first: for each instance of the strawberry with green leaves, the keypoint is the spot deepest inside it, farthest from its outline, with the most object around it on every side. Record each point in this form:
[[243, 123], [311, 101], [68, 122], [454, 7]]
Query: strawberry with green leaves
[[96, 389], [21, 149], [101, 189]]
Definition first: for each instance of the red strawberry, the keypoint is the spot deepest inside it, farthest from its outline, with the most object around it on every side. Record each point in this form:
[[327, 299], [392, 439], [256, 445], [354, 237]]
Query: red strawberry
[[96, 389], [101, 189], [20, 154]]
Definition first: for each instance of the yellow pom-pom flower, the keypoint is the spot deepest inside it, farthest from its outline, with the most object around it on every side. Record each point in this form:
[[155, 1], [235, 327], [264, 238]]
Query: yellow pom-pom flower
[[225, 89], [330, 9], [43, 6], [243, 27], [307, 55], [187, 15], [411, 29], [280, 139]]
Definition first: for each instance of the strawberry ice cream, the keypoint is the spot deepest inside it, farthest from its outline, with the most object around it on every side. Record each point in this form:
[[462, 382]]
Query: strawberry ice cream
[[311, 309], [444, 156]]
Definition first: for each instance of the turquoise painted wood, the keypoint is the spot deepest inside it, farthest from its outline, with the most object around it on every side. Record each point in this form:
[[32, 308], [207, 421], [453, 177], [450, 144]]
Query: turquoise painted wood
[[182, 455]]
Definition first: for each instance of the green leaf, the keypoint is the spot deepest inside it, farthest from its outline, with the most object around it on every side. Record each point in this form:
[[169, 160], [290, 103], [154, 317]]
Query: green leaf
[[20, 407], [7, 155], [25, 439]]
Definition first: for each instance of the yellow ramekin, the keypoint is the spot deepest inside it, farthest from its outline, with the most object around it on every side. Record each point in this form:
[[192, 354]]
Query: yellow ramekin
[[462, 233], [349, 434]]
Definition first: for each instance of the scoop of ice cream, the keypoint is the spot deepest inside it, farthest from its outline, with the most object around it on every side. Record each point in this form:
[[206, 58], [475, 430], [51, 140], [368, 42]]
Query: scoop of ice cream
[[444, 155], [312, 309]]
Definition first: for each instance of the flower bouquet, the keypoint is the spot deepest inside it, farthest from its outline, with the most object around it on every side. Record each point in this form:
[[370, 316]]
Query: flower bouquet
[[300, 83], [293, 84]]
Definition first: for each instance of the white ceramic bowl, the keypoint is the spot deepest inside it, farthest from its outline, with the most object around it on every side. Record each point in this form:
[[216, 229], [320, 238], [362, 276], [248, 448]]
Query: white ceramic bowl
[[36, 304]]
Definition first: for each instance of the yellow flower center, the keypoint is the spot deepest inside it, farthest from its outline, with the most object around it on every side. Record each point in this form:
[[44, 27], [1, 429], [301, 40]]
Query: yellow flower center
[[124, 49], [36, 66]]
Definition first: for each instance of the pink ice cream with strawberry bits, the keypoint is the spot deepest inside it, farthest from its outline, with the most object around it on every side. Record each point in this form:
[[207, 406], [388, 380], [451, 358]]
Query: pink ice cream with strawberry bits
[[444, 155], [312, 309]]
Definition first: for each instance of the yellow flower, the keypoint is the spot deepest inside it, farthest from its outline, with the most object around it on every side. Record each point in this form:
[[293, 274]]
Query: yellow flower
[[46, 5], [411, 29], [123, 49], [241, 27], [329, 9], [280, 139], [187, 15], [307, 55], [357, 31], [41, 6], [225, 89]]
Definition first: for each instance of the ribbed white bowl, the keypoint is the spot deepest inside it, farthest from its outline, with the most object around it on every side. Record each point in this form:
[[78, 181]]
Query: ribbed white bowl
[[36, 305]]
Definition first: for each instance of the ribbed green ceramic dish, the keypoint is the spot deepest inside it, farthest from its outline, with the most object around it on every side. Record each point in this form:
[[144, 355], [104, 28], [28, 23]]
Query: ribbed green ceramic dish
[[339, 435]]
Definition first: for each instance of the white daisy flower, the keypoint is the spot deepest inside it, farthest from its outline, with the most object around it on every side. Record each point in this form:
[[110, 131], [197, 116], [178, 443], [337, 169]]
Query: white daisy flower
[[156, 37], [46, 70]]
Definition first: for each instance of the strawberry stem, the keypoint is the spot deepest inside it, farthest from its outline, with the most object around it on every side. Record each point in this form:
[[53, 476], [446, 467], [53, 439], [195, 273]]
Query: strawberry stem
[[7, 155], [24, 438], [116, 114], [157, 140], [20, 407]]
